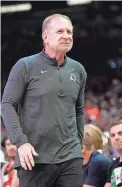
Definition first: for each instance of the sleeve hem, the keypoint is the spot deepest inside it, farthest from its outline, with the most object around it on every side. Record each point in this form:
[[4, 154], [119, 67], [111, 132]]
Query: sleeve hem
[[21, 143]]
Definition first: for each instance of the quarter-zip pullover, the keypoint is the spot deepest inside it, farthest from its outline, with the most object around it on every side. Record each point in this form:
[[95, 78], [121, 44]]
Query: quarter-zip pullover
[[50, 99]]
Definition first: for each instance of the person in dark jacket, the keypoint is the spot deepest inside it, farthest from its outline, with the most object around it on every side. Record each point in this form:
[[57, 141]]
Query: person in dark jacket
[[95, 164], [43, 110], [115, 170]]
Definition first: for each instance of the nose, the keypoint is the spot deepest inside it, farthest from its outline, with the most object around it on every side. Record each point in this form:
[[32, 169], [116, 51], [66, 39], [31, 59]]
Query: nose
[[13, 147], [116, 137], [66, 35]]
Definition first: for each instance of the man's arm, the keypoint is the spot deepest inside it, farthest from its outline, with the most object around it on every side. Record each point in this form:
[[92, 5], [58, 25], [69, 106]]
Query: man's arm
[[80, 108], [13, 93]]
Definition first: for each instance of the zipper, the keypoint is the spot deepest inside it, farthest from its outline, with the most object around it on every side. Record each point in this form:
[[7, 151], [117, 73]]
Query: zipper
[[61, 92]]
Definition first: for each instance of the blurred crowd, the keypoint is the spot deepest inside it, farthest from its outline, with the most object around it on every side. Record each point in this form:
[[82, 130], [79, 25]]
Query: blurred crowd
[[103, 103]]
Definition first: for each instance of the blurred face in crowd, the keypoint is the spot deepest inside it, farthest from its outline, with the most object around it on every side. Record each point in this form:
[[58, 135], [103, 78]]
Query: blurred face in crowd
[[104, 105], [87, 148], [10, 149], [116, 137], [59, 35], [84, 152], [89, 103]]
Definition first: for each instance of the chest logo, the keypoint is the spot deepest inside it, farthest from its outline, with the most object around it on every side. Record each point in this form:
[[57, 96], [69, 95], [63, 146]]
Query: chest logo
[[72, 77], [43, 71]]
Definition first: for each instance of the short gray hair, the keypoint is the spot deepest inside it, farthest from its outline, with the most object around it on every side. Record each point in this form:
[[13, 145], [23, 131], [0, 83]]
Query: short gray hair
[[48, 20]]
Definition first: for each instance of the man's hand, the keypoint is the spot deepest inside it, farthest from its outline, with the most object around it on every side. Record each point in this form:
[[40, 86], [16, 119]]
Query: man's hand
[[26, 153]]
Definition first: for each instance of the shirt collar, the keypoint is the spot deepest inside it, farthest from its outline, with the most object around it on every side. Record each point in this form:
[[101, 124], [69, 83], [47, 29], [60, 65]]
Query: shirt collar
[[53, 61]]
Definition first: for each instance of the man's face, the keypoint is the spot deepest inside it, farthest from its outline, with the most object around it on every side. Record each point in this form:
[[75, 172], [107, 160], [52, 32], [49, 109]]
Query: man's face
[[59, 35], [10, 149], [116, 137]]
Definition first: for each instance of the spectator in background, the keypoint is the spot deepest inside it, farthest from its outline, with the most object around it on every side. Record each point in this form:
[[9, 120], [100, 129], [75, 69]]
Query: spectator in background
[[95, 164], [2, 166], [98, 138], [8, 170], [15, 180], [104, 109], [105, 94], [2, 157], [92, 110], [115, 171]]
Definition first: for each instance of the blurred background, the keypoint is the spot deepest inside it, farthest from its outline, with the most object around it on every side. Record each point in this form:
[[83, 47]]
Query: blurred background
[[97, 45]]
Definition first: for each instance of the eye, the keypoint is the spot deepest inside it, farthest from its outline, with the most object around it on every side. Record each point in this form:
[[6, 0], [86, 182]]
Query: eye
[[59, 32], [112, 135], [120, 133], [69, 32]]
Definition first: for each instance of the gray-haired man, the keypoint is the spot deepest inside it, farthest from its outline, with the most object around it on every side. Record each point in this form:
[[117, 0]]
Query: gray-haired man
[[49, 87]]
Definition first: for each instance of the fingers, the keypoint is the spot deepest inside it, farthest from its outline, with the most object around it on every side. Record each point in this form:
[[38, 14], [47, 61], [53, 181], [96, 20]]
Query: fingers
[[34, 152], [28, 162], [23, 164], [31, 160], [26, 153]]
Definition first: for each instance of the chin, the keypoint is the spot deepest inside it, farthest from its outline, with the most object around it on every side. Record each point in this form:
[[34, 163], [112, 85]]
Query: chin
[[65, 49]]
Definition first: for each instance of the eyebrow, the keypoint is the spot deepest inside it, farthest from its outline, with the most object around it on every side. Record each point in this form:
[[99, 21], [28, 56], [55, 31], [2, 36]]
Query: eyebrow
[[117, 133], [120, 131]]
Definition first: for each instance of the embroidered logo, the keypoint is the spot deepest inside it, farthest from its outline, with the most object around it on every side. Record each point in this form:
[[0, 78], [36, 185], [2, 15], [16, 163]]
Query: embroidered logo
[[72, 77], [43, 71]]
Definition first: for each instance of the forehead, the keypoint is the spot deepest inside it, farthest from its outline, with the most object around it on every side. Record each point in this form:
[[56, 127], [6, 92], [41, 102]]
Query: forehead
[[116, 128], [60, 23]]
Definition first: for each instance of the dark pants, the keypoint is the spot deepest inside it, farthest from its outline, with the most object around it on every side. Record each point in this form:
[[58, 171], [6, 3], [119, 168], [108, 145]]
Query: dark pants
[[66, 174]]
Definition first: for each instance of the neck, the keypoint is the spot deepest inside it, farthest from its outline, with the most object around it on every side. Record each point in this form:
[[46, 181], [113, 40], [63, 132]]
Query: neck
[[87, 156], [59, 56], [120, 155]]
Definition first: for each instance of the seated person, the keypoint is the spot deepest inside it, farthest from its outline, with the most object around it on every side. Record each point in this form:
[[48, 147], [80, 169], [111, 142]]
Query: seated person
[[95, 164], [8, 171], [115, 171]]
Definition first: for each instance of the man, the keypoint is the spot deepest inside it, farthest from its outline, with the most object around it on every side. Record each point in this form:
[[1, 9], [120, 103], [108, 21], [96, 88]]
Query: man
[[115, 171], [49, 89], [95, 164]]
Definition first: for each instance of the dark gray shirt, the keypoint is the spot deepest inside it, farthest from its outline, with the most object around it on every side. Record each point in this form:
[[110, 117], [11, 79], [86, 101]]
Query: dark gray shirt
[[50, 99]]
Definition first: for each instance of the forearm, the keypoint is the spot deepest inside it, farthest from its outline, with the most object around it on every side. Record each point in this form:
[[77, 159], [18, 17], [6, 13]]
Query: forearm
[[80, 119], [12, 124], [12, 97], [80, 125]]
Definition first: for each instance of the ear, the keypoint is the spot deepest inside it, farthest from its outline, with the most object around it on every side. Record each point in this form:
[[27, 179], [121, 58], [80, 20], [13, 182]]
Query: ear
[[83, 148], [44, 36]]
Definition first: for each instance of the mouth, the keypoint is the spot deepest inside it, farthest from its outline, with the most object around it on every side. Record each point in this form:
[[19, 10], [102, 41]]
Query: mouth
[[66, 43]]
